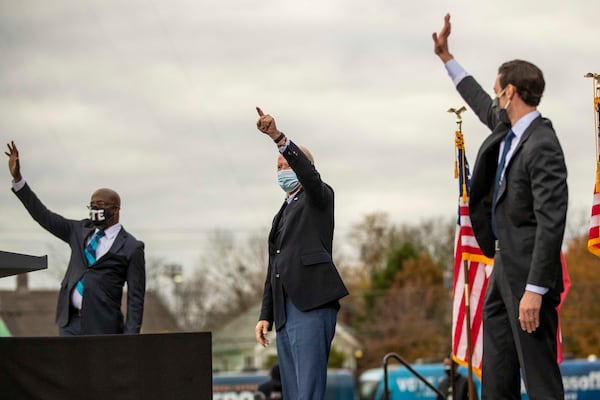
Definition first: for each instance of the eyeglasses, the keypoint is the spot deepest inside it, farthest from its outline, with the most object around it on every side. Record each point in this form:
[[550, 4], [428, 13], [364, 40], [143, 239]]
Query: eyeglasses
[[101, 204]]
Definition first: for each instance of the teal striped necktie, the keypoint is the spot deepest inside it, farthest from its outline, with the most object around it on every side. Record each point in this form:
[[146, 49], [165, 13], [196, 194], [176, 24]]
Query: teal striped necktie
[[90, 255]]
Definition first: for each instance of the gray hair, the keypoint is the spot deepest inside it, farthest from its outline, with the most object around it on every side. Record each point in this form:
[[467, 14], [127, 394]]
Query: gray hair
[[308, 154]]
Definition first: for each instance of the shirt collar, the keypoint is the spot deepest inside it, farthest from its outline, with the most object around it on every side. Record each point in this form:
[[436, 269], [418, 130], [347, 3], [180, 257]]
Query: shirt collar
[[111, 232], [522, 124], [293, 194]]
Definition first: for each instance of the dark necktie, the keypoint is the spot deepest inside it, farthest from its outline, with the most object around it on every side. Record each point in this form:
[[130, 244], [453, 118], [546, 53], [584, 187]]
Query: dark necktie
[[90, 255], [507, 142]]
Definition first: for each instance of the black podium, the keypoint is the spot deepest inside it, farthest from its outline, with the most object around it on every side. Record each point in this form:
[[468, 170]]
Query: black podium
[[171, 366], [15, 263]]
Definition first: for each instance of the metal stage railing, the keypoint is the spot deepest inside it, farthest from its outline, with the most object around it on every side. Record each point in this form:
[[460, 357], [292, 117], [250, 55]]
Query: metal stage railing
[[386, 392]]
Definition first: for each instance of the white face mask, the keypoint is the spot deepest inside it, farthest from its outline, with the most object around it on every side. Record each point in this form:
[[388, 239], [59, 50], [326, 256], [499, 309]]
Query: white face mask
[[288, 180]]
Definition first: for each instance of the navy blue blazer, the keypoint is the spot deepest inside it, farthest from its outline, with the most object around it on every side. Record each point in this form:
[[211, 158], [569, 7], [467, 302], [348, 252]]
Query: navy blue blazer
[[124, 262], [300, 247]]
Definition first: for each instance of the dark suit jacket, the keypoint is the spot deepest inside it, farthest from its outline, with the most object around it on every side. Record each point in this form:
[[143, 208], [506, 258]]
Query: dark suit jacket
[[124, 262], [532, 199], [300, 246]]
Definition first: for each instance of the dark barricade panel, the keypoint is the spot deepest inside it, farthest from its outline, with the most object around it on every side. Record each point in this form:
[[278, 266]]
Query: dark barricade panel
[[173, 366]]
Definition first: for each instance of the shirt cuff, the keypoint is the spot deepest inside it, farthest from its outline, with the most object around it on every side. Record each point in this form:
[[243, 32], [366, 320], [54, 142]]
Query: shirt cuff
[[536, 289], [18, 185], [456, 71], [285, 145]]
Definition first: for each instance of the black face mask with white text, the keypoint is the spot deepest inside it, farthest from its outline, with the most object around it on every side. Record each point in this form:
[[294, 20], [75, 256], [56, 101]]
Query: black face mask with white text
[[99, 216]]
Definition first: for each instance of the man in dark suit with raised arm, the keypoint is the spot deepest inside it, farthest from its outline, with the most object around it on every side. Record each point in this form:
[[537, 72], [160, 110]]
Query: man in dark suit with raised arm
[[302, 286], [518, 207], [103, 258]]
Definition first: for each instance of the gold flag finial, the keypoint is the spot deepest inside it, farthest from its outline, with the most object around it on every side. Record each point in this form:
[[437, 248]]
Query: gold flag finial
[[458, 117], [457, 112], [460, 145]]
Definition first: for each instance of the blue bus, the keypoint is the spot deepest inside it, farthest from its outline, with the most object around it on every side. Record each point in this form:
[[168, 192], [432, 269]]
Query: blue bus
[[581, 380], [403, 384], [243, 385]]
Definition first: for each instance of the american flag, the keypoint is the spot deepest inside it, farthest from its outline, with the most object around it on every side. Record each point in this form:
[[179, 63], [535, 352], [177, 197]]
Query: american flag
[[478, 269], [594, 234]]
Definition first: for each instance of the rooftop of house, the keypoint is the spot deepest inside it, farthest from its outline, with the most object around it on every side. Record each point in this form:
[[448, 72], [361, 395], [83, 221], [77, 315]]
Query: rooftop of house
[[30, 312]]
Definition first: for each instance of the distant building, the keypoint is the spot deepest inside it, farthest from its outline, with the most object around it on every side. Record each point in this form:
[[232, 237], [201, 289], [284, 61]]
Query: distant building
[[30, 312], [235, 347]]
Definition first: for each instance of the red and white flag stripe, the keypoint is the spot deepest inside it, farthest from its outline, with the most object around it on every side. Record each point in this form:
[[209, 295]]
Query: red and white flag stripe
[[479, 269], [594, 232]]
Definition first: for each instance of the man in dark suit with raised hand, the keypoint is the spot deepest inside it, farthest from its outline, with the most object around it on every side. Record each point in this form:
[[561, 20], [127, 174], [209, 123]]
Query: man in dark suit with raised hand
[[103, 258], [518, 206], [302, 286]]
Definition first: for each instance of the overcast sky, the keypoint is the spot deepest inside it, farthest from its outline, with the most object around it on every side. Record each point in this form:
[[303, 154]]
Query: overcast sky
[[156, 99]]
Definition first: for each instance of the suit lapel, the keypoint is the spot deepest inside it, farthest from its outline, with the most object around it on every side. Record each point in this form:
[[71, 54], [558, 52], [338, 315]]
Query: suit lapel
[[276, 222], [534, 124], [482, 180], [116, 246], [296, 198], [516, 152], [86, 233]]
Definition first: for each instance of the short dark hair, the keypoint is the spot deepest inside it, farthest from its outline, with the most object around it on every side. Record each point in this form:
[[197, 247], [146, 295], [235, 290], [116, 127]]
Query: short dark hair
[[526, 77]]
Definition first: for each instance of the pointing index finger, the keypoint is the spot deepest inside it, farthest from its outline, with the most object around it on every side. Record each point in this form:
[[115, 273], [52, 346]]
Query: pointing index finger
[[260, 112]]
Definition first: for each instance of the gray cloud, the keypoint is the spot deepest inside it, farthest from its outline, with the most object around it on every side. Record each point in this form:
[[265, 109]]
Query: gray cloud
[[156, 99]]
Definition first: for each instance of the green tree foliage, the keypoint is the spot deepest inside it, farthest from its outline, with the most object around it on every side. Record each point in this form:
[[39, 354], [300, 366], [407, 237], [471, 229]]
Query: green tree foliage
[[382, 279], [399, 302], [412, 314], [401, 305]]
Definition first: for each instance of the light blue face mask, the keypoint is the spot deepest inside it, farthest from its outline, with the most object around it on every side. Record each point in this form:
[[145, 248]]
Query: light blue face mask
[[287, 180]]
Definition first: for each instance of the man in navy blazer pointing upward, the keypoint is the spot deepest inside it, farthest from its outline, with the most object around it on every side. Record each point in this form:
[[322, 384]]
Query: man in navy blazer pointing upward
[[302, 286]]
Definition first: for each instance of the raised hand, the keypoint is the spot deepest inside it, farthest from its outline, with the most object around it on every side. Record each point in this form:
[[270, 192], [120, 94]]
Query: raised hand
[[13, 161], [266, 124], [440, 41]]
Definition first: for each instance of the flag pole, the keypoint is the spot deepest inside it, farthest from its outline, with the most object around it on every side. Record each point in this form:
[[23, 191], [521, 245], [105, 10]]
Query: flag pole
[[594, 231], [460, 145], [596, 88]]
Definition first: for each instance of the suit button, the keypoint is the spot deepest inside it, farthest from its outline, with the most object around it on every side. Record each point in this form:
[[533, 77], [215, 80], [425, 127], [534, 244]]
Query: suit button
[[277, 251], [276, 275]]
